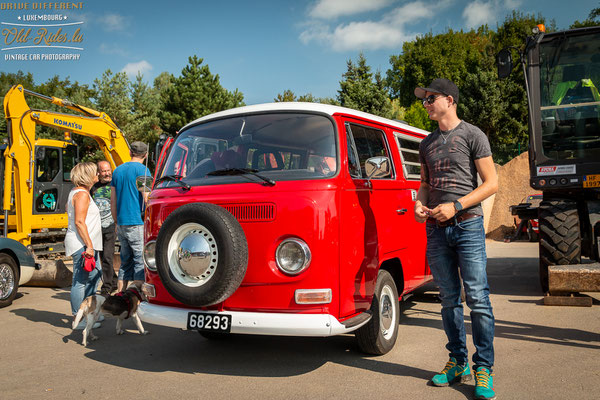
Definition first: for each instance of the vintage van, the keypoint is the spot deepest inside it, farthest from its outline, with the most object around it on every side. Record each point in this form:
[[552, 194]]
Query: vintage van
[[286, 219]]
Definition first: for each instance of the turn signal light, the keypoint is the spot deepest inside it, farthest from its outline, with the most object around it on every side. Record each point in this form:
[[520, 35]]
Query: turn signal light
[[541, 28], [313, 296], [149, 290]]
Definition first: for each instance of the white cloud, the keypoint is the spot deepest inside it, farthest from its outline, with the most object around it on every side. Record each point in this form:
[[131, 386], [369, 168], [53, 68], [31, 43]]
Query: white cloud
[[132, 69], [331, 9], [112, 22], [481, 12], [388, 32]]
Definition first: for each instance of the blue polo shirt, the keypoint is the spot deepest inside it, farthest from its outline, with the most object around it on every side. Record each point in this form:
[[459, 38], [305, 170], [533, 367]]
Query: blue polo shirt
[[130, 202]]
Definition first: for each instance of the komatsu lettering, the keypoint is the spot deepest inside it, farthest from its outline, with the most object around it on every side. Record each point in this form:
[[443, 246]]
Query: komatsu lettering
[[67, 124]]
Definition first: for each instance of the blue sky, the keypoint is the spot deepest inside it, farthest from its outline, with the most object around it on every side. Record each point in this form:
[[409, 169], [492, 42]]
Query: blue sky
[[260, 47]]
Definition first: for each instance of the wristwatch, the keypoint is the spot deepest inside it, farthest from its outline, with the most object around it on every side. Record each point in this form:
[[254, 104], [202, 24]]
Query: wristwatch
[[457, 206]]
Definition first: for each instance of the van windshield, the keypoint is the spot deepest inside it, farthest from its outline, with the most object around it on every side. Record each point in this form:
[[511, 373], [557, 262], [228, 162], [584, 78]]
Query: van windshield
[[278, 146]]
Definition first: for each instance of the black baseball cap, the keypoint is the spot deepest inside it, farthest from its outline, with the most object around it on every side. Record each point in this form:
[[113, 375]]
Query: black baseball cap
[[439, 85]]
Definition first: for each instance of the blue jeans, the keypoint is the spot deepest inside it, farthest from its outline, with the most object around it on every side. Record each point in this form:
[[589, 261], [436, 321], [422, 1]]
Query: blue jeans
[[84, 283], [462, 248], [131, 238]]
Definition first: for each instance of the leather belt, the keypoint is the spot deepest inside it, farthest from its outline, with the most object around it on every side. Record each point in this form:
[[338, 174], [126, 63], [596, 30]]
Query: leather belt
[[452, 221]]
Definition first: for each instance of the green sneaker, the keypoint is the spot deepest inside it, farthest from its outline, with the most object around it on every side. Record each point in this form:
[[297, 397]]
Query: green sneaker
[[484, 384], [452, 373]]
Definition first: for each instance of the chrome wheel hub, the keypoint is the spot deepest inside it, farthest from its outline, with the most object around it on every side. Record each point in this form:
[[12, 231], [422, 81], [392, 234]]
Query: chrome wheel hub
[[387, 312], [7, 281], [192, 254]]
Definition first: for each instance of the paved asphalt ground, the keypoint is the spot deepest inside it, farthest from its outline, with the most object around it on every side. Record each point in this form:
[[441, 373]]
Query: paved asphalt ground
[[541, 352]]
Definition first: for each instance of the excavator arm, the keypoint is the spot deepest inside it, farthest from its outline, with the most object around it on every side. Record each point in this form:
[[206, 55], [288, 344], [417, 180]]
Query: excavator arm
[[19, 156]]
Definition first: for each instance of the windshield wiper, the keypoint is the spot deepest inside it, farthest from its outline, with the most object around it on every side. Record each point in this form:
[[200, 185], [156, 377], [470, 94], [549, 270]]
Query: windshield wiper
[[173, 178], [242, 171]]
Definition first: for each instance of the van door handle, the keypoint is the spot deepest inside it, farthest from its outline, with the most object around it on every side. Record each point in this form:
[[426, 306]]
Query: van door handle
[[401, 211]]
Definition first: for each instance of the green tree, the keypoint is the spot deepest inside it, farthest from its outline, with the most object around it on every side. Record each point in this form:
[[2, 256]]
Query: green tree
[[417, 116], [362, 90], [112, 96], [450, 55], [197, 92], [287, 95], [145, 122]]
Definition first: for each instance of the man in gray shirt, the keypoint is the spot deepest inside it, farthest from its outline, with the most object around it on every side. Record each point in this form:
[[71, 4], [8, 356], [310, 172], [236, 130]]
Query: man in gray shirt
[[449, 200], [100, 192]]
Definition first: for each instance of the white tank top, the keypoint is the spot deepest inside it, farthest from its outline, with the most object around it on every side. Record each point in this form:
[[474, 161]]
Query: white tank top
[[73, 241]]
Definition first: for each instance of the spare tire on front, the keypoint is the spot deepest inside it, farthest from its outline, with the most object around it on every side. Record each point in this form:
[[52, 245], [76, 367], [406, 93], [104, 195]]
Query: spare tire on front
[[201, 254]]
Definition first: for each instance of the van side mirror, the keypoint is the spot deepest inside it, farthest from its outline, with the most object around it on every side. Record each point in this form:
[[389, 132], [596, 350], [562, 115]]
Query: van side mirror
[[144, 183], [504, 63], [378, 167]]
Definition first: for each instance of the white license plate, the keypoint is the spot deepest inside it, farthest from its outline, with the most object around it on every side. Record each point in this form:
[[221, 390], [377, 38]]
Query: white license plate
[[209, 322]]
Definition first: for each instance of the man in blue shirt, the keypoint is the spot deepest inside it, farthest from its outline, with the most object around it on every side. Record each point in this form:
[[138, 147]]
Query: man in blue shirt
[[127, 205]]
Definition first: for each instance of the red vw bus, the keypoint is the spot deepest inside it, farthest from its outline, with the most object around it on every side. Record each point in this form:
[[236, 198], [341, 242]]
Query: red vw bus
[[286, 219]]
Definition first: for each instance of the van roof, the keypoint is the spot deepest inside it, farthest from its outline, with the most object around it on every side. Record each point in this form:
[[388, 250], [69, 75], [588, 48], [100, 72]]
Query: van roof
[[303, 106]]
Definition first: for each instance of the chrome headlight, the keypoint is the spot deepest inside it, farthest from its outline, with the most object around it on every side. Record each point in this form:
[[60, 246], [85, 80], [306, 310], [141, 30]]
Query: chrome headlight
[[292, 256], [150, 255]]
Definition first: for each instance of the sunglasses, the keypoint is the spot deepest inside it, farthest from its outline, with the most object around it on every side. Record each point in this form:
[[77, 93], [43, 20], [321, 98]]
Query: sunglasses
[[431, 99]]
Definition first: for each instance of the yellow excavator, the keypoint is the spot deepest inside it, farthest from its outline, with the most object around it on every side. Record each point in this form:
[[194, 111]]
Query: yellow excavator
[[37, 171]]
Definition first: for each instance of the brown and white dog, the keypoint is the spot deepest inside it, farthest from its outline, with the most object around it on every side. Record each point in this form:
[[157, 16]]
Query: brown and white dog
[[121, 305]]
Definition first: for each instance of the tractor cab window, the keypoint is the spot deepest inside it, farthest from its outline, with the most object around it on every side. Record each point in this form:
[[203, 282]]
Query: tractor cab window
[[570, 101]]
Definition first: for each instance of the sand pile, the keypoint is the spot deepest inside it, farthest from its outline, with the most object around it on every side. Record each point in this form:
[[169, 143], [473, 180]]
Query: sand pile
[[513, 186]]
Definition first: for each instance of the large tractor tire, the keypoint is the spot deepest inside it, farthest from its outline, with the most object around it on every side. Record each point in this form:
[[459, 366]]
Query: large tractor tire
[[560, 236], [201, 254]]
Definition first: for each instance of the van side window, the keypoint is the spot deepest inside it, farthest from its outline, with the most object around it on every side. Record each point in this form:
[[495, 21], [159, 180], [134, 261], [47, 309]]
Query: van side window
[[409, 153], [367, 142], [353, 164]]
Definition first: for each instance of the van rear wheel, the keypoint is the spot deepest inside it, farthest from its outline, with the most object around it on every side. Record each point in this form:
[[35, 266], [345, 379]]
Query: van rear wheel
[[379, 335]]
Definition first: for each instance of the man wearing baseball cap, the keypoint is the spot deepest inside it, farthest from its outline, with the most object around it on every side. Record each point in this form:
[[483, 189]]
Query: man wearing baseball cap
[[449, 201], [127, 205]]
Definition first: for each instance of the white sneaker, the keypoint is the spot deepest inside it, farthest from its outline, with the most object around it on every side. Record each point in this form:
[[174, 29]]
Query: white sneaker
[[83, 323]]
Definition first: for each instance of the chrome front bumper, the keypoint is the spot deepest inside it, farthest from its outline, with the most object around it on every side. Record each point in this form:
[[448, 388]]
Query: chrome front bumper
[[279, 324]]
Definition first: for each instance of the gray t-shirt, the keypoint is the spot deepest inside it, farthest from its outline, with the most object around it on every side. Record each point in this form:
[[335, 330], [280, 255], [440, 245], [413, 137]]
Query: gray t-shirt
[[449, 157]]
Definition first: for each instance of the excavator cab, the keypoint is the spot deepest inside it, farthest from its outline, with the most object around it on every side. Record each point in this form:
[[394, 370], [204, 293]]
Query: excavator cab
[[52, 182]]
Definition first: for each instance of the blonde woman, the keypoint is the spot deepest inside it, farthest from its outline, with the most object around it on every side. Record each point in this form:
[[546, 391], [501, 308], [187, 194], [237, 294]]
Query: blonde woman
[[84, 234]]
